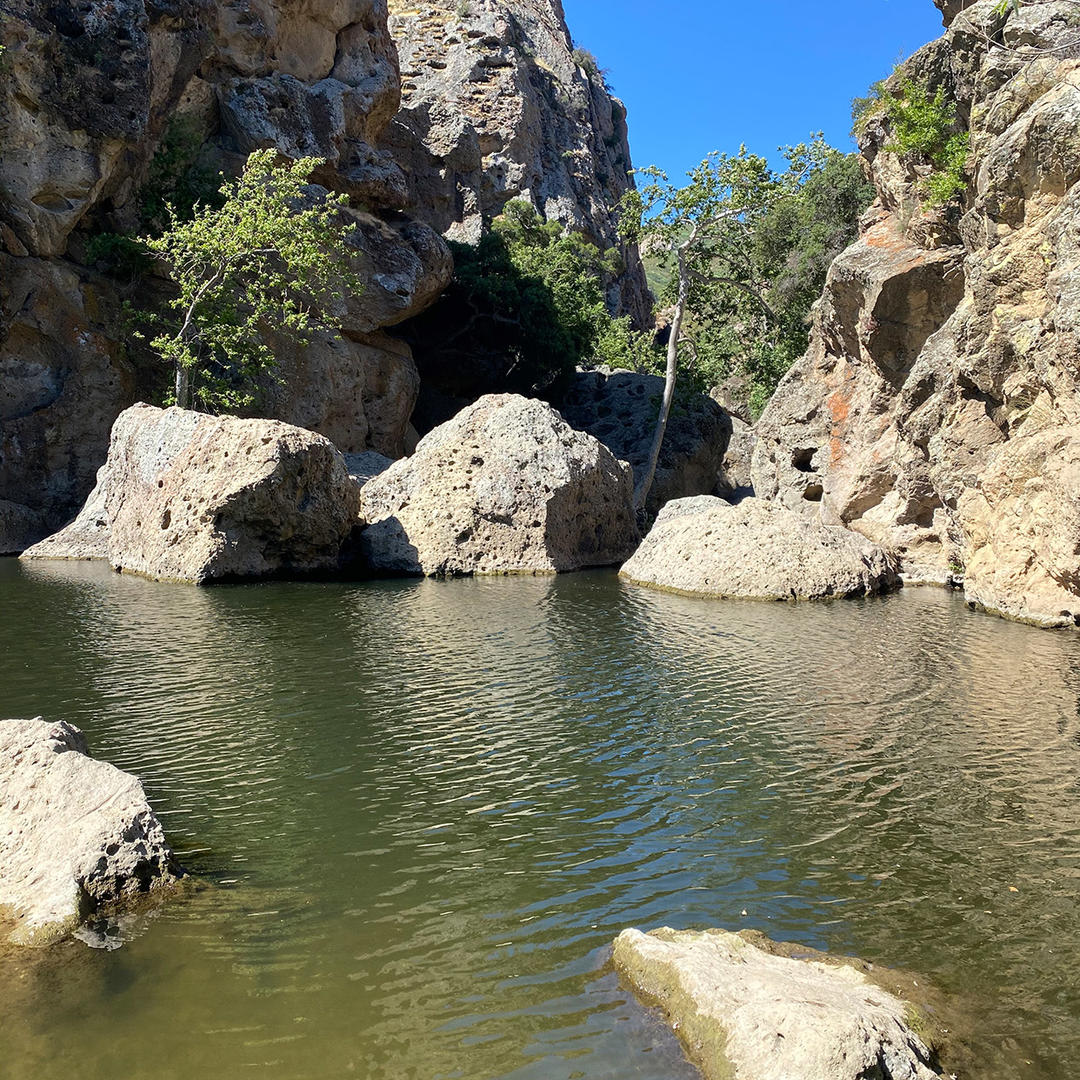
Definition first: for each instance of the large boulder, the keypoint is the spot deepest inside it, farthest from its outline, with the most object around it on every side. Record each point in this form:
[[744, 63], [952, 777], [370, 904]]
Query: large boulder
[[744, 1009], [756, 550], [75, 833], [507, 486], [620, 409], [189, 497]]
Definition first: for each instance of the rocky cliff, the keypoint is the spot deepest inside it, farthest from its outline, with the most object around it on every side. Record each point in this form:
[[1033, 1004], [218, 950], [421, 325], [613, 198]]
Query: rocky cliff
[[92, 92], [88, 94], [497, 104], [937, 410]]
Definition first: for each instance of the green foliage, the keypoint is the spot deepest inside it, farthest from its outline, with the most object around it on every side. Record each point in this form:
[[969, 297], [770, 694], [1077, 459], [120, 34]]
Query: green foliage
[[122, 256], [762, 244], [267, 256], [533, 298], [923, 126], [864, 109], [586, 60], [177, 182]]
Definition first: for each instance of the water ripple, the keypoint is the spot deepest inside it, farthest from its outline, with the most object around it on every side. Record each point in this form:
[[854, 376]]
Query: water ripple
[[426, 808]]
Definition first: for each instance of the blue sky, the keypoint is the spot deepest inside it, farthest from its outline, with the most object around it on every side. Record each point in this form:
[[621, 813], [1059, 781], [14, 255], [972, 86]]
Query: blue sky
[[702, 75]]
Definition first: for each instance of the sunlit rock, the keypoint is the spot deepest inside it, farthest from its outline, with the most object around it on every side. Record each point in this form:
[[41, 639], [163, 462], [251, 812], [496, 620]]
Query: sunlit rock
[[507, 486], [75, 833]]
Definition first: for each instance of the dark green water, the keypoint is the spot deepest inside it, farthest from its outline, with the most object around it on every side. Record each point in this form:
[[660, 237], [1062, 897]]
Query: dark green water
[[425, 809]]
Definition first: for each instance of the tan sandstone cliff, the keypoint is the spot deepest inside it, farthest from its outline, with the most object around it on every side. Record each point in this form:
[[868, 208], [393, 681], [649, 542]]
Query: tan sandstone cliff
[[497, 105], [88, 91], [937, 410]]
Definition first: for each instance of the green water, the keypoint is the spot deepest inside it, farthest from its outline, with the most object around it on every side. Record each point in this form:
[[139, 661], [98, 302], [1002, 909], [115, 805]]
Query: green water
[[423, 811]]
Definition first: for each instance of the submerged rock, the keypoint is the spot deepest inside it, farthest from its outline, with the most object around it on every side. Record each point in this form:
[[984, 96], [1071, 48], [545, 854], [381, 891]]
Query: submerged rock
[[756, 551], [506, 486], [743, 1010], [190, 497], [75, 833]]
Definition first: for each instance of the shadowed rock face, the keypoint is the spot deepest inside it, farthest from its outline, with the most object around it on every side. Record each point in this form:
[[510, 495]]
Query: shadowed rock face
[[497, 106], [756, 550], [936, 410], [620, 409], [506, 487], [745, 1009], [88, 92], [74, 833]]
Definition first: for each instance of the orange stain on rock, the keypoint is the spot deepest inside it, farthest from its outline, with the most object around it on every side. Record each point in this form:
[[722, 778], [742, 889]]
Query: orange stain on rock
[[839, 406]]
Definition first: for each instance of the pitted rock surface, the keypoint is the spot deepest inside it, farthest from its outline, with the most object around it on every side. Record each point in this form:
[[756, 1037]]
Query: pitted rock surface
[[196, 498], [506, 486], [75, 833]]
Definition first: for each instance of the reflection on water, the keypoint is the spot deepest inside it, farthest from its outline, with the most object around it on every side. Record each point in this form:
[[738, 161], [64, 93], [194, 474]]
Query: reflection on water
[[426, 808]]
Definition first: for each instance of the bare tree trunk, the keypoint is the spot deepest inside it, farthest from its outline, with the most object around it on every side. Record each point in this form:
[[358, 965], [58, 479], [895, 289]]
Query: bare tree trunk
[[645, 484], [183, 387]]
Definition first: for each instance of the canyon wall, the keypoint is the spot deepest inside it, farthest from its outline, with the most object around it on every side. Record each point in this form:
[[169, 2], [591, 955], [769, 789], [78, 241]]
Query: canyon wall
[[91, 90], [498, 104], [937, 410]]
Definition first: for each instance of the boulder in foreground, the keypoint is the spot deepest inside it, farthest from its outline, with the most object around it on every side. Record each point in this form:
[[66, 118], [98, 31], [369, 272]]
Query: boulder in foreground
[[744, 1010], [756, 550], [75, 833], [188, 497], [505, 487]]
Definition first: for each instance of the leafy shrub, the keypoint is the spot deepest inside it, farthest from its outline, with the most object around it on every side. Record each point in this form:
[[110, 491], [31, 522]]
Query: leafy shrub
[[526, 306], [264, 255], [924, 126], [177, 182]]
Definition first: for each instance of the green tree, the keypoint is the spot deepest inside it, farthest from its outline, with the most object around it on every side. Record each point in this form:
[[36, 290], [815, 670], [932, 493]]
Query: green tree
[[746, 249], [526, 306], [269, 255]]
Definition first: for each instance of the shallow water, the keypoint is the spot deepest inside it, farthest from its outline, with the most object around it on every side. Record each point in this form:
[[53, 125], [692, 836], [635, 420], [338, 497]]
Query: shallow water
[[424, 809]]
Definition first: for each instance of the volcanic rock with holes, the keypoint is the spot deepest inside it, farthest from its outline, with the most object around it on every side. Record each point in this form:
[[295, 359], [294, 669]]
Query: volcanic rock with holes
[[75, 833], [756, 550], [497, 104], [620, 409], [505, 487], [745, 1007], [89, 95], [937, 410], [196, 498]]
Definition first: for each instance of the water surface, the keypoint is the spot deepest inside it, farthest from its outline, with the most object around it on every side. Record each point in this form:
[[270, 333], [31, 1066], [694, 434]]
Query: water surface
[[424, 809]]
